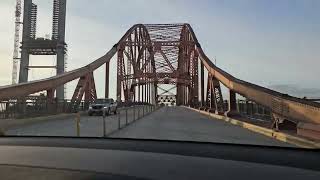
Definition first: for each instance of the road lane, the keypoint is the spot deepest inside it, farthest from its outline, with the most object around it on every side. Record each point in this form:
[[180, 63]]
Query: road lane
[[172, 123], [178, 123], [90, 126]]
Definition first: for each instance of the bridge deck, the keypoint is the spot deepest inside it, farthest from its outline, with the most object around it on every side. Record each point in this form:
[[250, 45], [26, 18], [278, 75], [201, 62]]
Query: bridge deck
[[172, 123], [178, 123]]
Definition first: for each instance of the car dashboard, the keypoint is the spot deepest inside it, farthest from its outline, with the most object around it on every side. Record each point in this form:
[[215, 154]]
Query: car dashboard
[[100, 158]]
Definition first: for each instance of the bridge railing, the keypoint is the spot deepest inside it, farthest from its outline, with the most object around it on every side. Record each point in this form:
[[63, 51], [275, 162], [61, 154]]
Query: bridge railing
[[113, 123], [253, 110], [29, 109], [35, 108], [247, 109]]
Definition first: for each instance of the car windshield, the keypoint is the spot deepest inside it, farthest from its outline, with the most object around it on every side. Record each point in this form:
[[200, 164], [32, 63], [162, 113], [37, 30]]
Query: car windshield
[[238, 72]]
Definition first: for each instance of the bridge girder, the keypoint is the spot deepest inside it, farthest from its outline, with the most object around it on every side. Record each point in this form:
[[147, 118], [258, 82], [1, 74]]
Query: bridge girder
[[170, 52]]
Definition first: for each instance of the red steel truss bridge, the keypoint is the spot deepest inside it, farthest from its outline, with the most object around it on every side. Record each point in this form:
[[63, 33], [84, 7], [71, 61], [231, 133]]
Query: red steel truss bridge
[[159, 55]]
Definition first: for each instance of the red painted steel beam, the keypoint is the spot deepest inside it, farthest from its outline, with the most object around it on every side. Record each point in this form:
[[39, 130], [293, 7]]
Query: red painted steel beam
[[296, 109], [289, 107], [24, 89], [202, 83]]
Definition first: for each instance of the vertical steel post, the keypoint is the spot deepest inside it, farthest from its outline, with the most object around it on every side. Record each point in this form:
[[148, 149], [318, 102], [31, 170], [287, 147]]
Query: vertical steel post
[[238, 107], [202, 83], [232, 111], [143, 110], [78, 124], [134, 94], [50, 100], [247, 107], [87, 93], [119, 75], [126, 115], [148, 93], [106, 90], [119, 123]]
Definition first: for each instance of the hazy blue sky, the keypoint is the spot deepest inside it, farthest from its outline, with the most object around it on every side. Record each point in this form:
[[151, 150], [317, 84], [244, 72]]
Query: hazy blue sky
[[267, 42]]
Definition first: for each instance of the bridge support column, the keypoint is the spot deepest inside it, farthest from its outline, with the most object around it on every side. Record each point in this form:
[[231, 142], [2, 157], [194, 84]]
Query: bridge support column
[[180, 94], [50, 100], [232, 109], [61, 46], [60, 70]]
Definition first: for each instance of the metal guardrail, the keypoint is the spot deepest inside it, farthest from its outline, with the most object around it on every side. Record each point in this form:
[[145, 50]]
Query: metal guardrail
[[253, 110], [248, 109], [35, 107], [31, 108], [123, 119]]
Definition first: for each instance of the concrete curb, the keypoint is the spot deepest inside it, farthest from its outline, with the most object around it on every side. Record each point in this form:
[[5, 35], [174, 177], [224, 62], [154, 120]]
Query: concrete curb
[[7, 124], [291, 139]]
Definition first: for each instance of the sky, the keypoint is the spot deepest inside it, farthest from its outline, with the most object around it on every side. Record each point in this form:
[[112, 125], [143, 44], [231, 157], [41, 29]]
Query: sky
[[266, 42]]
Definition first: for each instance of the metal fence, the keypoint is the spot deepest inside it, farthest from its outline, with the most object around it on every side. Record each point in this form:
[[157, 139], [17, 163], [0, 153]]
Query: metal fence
[[253, 110], [124, 117], [34, 107], [29, 108], [248, 109]]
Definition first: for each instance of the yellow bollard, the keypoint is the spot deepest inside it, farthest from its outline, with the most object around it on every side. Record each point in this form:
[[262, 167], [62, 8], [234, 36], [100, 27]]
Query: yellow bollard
[[78, 124]]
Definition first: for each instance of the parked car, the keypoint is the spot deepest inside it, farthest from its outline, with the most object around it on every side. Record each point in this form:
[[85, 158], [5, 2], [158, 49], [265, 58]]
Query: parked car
[[109, 105]]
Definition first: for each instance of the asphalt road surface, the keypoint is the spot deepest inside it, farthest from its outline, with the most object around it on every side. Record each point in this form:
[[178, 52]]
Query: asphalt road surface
[[90, 126], [172, 123], [179, 123]]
